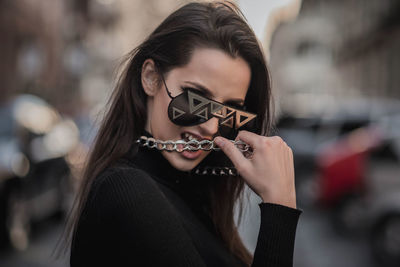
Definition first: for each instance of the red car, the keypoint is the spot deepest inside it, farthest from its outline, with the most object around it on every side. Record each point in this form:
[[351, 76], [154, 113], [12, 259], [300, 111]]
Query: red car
[[341, 165]]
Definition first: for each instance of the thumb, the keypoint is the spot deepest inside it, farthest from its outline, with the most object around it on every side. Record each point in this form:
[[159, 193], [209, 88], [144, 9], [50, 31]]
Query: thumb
[[231, 151]]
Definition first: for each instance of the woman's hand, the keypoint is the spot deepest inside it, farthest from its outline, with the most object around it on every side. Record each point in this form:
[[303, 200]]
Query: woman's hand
[[269, 172]]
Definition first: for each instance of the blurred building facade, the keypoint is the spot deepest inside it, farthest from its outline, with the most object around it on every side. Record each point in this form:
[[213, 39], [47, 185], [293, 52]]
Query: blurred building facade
[[67, 52], [334, 51], [36, 39]]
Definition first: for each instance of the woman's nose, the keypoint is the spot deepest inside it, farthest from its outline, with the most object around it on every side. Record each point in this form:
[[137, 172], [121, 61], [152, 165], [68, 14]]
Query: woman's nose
[[209, 128]]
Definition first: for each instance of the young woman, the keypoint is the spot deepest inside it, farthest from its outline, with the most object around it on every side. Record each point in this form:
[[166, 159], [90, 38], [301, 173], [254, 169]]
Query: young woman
[[186, 129]]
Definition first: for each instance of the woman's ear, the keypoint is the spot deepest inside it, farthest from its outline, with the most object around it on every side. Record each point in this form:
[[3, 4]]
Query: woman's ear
[[149, 77]]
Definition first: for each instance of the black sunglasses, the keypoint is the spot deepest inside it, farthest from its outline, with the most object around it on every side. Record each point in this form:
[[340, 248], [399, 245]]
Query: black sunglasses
[[190, 108]]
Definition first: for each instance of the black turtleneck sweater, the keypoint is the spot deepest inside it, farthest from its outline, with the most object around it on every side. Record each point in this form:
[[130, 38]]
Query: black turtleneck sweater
[[143, 212]]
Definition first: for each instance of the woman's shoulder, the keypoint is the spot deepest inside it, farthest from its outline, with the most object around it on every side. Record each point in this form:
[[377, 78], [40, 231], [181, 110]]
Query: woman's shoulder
[[122, 171], [123, 181]]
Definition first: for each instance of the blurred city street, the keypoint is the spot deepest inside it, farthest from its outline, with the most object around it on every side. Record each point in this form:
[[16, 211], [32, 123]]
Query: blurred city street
[[40, 251], [334, 66], [317, 244]]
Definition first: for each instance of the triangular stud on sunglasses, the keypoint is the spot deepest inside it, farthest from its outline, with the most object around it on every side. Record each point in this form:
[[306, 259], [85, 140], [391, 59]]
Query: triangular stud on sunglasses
[[202, 113], [219, 113], [228, 122], [176, 113], [216, 109], [243, 117], [193, 98], [223, 112], [229, 111]]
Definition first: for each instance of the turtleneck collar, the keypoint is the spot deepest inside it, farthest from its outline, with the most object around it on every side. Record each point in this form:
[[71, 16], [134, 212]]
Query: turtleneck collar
[[192, 188], [154, 163]]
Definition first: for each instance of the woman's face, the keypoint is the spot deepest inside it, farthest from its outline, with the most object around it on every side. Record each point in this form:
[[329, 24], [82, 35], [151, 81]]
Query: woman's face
[[227, 79]]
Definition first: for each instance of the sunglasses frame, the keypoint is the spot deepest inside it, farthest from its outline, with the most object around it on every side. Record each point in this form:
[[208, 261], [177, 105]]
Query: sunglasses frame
[[228, 116]]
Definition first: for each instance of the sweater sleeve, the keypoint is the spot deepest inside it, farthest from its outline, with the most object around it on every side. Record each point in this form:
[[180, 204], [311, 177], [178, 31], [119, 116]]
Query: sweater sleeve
[[276, 238], [130, 223]]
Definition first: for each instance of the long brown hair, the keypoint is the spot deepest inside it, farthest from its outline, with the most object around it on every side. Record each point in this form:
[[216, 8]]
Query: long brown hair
[[208, 24]]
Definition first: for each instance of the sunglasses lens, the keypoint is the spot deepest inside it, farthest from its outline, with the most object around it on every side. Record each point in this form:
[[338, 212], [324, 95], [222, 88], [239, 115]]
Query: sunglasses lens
[[227, 132], [231, 133], [250, 126], [179, 112]]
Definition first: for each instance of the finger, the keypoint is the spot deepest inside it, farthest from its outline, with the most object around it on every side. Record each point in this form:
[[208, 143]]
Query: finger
[[291, 158], [232, 152], [249, 138]]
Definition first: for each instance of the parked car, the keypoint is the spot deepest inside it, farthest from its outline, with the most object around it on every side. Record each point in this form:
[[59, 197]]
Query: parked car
[[307, 137], [359, 180], [34, 173]]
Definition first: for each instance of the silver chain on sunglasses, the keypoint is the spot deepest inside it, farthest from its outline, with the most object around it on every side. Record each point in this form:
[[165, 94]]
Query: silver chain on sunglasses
[[182, 145]]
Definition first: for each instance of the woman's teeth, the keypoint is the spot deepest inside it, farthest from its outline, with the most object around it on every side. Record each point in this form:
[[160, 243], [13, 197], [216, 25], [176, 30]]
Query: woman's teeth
[[189, 137]]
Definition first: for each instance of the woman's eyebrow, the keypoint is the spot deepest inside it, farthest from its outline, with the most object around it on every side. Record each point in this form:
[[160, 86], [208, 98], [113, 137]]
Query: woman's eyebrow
[[207, 93]]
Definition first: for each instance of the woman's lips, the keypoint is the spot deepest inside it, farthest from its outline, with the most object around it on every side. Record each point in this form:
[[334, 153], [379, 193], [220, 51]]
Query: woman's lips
[[191, 154]]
